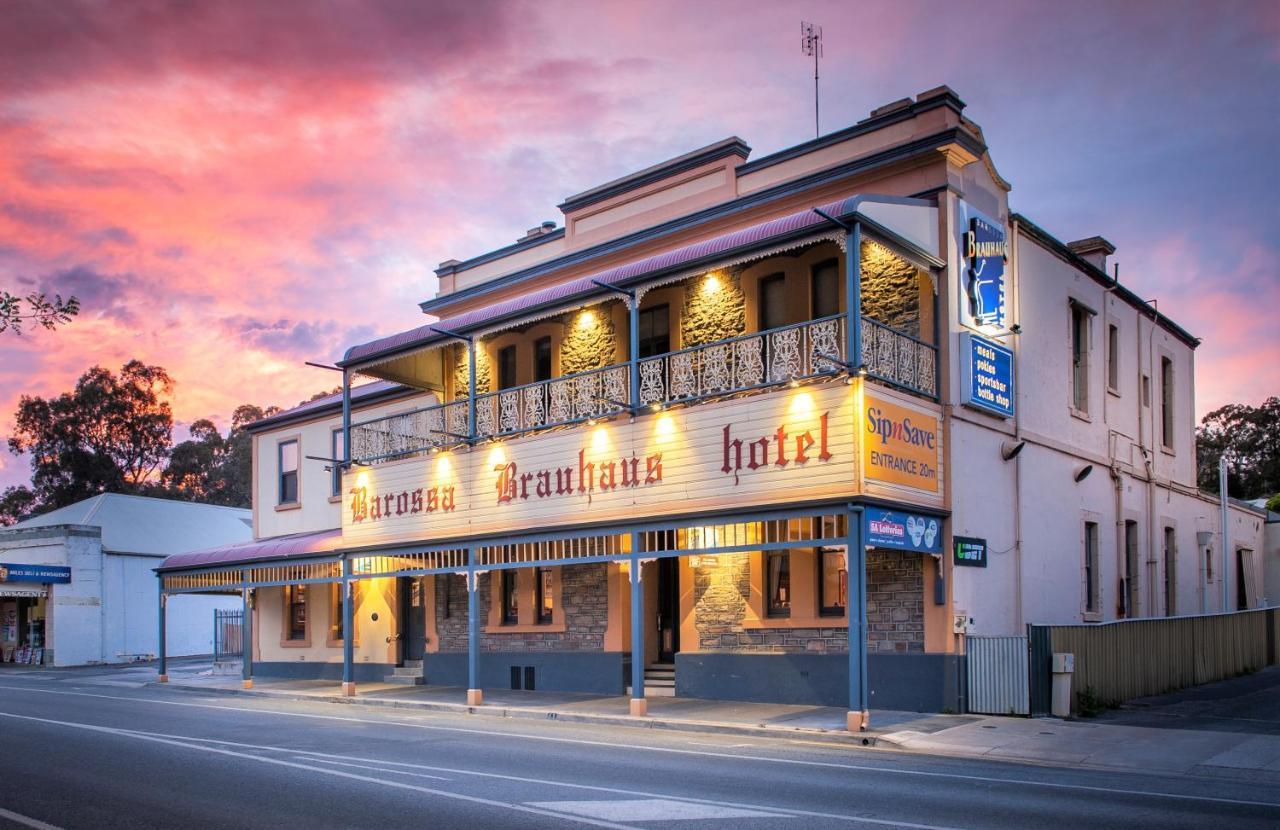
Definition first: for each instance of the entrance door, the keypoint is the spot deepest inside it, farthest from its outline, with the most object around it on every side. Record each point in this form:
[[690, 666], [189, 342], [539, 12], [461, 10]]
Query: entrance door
[[413, 618], [668, 609]]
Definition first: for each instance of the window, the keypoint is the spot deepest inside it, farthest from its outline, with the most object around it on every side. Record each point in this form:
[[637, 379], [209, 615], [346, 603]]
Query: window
[[510, 598], [1244, 579], [1166, 402], [824, 290], [295, 604], [833, 582], [288, 458], [1091, 603], [1113, 358], [337, 610], [778, 583], [546, 602], [507, 367], [654, 329], [542, 359], [1146, 390], [1170, 564], [1132, 582], [1080, 358], [339, 453], [773, 302]]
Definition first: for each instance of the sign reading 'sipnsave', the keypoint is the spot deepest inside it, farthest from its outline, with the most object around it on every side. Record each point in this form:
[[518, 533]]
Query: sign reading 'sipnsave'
[[902, 445]]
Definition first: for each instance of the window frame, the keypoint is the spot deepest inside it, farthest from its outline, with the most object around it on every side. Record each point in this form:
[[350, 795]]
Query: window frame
[[290, 635], [544, 590], [337, 443], [841, 608], [814, 271], [1080, 341], [774, 607], [646, 345], [1113, 359], [1132, 562], [1167, 404], [296, 472], [510, 596], [1092, 583], [508, 375], [780, 279], [1170, 571], [538, 374]]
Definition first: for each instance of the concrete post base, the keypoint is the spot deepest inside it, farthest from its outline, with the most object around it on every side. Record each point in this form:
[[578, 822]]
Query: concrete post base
[[639, 707], [246, 684], [348, 689], [475, 697], [162, 678], [858, 721]]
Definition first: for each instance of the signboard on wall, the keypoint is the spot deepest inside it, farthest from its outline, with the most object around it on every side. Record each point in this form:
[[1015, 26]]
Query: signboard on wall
[[986, 375], [902, 444], [900, 530], [970, 552], [985, 250], [47, 574]]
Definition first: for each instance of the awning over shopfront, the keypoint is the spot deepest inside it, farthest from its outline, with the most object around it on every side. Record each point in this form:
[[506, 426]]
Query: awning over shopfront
[[278, 547]]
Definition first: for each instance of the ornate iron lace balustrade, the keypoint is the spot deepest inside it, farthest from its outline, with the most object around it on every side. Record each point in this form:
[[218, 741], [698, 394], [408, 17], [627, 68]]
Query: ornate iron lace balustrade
[[741, 364]]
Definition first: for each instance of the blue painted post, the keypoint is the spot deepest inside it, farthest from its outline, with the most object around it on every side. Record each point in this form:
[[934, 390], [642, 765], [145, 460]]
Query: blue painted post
[[162, 667], [348, 632], [639, 706], [634, 351], [853, 296], [859, 717], [471, 388], [474, 696], [346, 416], [247, 675]]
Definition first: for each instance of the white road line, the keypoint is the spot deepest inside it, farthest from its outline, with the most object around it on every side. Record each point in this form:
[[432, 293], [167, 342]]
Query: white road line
[[25, 821], [369, 766], [182, 743], [1054, 785]]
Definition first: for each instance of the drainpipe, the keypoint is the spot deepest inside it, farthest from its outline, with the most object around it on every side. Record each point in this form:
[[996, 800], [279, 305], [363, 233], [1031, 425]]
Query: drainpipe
[[346, 418]]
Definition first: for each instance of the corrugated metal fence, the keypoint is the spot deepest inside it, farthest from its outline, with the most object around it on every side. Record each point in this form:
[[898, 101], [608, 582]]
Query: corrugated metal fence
[[997, 668], [1122, 660]]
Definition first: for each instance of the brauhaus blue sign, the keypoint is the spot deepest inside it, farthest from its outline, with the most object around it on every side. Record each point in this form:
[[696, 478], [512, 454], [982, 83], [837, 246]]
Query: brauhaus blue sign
[[34, 573], [985, 250], [986, 375]]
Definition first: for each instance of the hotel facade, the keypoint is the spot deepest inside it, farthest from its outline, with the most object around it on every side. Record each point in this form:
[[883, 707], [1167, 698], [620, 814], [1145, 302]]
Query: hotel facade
[[779, 429]]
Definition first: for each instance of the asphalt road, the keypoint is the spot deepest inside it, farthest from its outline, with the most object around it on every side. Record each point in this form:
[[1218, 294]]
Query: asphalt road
[[85, 750]]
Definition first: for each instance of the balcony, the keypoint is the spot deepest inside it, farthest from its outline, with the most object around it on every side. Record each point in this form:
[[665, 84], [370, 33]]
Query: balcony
[[729, 367]]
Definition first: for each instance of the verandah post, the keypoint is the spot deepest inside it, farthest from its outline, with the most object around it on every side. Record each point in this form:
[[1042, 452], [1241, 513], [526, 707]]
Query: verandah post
[[859, 718], [247, 627], [853, 296], [475, 697], [634, 351], [471, 388], [639, 706], [346, 421], [162, 666], [348, 631]]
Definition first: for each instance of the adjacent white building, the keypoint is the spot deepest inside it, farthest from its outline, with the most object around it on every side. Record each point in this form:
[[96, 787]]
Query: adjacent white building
[[78, 587]]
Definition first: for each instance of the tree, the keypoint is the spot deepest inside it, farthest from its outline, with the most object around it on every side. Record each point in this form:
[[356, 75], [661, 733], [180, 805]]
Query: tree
[[16, 504], [1249, 437], [40, 310], [213, 469], [110, 434]]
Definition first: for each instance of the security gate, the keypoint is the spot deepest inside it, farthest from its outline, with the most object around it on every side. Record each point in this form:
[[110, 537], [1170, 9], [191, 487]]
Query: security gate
[[998, 677], [228, 635]]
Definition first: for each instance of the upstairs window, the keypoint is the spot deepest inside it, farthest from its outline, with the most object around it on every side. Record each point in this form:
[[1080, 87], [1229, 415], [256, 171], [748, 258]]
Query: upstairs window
[[1166, 403], [340, 454], [824, 290], [542, 359], [1113, 358], [1080, 358], [507, 367], [654, 329], [287, 456], [773, 302]]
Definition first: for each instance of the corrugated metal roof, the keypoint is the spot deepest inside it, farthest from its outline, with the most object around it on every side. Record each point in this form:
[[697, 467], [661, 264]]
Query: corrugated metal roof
[[753, 235], [358, 393], [139, 524], [277, 547]]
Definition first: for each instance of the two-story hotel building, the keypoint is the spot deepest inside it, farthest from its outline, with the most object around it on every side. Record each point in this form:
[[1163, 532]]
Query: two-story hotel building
[[784, 429]]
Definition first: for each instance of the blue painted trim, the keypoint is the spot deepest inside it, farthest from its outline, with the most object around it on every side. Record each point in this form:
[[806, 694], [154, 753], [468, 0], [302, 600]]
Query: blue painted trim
[[247, 628], [348, 625], [637, 623], [162, 643], [473, 627]]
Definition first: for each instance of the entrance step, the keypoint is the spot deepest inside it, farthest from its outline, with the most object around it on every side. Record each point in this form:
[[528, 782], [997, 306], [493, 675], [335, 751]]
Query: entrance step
[[659, 680], [412, 664], [410, 674], [656, 691]]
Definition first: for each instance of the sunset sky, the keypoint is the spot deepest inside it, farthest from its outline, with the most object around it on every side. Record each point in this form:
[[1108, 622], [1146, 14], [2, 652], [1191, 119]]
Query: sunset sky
[[233, 188]]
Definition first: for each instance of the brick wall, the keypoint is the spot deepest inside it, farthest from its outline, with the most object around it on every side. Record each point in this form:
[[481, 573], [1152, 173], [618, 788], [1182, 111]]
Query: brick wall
[[584, 595], [895, 610]]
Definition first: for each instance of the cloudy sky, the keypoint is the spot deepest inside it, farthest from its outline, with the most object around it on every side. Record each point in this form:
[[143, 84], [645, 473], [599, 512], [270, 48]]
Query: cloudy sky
[[232, 188]]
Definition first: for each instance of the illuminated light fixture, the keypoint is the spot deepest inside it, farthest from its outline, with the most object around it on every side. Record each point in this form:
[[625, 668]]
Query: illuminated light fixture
[[586, 319], [848, 380], [1009, 450], [591, 421], [794, 383], [862, 371], [711, 284], [1083, 473], [655, 407]]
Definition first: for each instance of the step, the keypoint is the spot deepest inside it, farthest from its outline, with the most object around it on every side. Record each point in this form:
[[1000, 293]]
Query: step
[[665, 666], [412, 664], [403, 679], [407, 671], [650, 682], [659, 673], [656, 691]]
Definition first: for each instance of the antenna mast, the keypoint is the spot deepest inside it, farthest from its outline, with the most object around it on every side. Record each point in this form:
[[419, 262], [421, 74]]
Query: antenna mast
[[811, 45]]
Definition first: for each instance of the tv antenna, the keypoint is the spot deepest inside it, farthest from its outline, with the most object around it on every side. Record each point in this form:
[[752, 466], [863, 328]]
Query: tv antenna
[[811, 44]]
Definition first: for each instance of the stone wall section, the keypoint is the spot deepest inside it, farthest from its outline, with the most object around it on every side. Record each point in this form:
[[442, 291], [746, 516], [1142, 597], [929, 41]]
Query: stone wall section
[[589, 340], [714, 309], [584, 595], [462, 371], [890, 289], [895, 610]]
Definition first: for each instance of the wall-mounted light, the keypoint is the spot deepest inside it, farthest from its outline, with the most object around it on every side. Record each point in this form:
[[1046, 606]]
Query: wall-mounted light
[[1083, 472], [587, 319], [711, 284], [1009, 449]]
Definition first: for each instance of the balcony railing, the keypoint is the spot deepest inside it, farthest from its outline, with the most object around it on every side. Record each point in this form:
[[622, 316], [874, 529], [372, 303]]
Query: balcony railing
[[741, 364]]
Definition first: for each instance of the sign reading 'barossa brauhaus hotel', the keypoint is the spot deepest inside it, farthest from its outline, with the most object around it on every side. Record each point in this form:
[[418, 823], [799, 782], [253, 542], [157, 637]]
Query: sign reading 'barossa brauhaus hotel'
[[771, 449]]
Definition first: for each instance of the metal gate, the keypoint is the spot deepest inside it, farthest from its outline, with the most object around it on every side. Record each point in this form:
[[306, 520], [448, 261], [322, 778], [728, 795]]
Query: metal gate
[[997, 669], [228, 634]]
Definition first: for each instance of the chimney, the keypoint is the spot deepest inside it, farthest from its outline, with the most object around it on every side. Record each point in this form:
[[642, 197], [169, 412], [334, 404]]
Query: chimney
[[1093, 250], [542, 230]]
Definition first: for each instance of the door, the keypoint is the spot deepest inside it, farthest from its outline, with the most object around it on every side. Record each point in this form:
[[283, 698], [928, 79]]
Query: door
[[668, 609], [413, 618]]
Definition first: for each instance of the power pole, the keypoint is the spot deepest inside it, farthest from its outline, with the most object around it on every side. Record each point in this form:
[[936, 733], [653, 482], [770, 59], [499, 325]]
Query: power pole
[[811, 44]]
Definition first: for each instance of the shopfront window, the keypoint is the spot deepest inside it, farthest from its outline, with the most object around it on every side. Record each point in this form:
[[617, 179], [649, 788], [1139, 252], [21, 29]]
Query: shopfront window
[[295, 603], [778, 588], [510, 598], [833, 582], [546, 601], [337, 610]]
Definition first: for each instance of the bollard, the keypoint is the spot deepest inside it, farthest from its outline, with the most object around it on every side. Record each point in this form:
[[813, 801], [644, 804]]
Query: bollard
[[1063, 667]]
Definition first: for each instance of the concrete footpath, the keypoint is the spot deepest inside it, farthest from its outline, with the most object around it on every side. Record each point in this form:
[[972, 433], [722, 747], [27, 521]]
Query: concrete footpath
[[1228, 729]]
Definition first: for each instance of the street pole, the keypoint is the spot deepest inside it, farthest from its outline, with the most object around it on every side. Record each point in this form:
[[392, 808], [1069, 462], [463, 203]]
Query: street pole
[[1226, 543]]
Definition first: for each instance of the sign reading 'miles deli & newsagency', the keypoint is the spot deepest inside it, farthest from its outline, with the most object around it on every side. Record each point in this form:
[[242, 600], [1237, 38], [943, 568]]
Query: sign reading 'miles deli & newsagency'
[[789, 446]]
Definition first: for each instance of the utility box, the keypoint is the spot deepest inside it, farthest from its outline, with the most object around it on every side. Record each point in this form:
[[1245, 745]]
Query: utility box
[[1063, 666]]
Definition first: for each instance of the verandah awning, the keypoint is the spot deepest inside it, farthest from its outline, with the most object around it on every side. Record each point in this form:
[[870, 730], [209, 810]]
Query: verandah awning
[[276, 548]]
